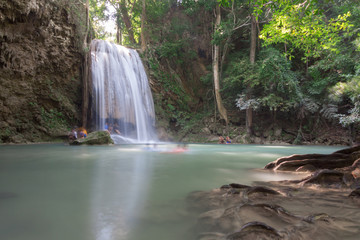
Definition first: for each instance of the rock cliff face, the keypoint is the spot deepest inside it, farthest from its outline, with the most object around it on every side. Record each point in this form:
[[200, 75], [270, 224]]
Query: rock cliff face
[[40, 61]]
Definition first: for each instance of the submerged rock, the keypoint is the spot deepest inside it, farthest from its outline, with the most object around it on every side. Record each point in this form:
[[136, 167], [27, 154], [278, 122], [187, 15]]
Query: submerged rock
[[260, 190], [355, 193], [255, 230], [306, 168], [325, 178], [318, 217], [239, 186], [94, 138]]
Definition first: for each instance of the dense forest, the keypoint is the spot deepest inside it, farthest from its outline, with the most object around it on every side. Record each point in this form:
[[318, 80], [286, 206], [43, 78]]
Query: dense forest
[[259, 65], [259, 71]]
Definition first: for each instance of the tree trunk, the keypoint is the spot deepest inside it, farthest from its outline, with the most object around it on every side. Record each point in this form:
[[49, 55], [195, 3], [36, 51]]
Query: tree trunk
[[118, 36], [85, 70], [253, 40], [118, 30], [222, 110], [127, 21], [143, 20], [249, 111]]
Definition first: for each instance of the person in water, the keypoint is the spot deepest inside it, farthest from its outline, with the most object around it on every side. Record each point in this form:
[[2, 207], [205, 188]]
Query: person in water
[[117, 129], [221, 140], [110, 129], [180, 148], [228, 140]]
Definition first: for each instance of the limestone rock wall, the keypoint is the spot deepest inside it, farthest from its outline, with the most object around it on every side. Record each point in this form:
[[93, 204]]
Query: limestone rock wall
[[40, 61]]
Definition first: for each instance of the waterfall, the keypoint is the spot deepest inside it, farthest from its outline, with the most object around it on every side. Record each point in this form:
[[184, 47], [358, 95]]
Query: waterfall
[[121, 96]]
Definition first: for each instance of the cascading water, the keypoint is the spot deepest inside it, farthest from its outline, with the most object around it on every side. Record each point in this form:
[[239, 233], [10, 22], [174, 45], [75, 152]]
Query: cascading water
[[121, 94]]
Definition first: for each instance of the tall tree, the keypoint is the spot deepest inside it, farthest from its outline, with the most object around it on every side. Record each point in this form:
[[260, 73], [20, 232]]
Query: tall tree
[[253, 37], [127, 21], [216, 73], [122, 16], [143, 33], [98, 16], [118, 30], [253, 40]]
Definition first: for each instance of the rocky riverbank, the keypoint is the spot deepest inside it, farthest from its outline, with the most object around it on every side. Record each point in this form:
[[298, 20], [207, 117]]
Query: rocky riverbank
[[323, 205], [208, 130], [40, 69]]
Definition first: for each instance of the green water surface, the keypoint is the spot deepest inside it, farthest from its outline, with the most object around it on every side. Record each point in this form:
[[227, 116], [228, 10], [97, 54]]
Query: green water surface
[[130, 192]]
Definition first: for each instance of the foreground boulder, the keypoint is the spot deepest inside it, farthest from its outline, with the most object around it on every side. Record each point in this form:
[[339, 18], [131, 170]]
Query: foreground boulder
[[94, 138]]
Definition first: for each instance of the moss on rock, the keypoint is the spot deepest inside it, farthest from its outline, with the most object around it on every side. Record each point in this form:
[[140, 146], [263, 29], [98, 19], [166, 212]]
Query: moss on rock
[[94, 138]]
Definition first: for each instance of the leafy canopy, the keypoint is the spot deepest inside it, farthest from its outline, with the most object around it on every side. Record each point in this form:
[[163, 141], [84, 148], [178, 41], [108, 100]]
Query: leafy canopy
[[303, 26]]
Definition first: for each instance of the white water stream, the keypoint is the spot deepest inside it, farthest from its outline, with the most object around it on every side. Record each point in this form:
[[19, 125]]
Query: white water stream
[[122, 94]]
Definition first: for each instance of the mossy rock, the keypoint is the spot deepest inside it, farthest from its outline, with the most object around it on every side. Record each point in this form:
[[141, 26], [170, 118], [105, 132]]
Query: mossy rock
[[94, 138]]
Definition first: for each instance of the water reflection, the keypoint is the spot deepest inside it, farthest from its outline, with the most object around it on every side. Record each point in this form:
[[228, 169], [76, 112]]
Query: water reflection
[[120, 190]]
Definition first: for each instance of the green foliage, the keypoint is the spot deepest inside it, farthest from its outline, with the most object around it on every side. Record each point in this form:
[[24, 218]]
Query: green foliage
[[5, 134], [274, 85], [193, 6], [160, 30], [171, 49], [207, 79], [188, 122], [349, 90], [279, 84], [170, 87], [170, 43], [318, 86], [306, 29], [176, 50], [224, 3], [52, 118], [327, 72], [243, 103], [275, 72], [353, 117], [238, 74], [97, 12], [156, 10]]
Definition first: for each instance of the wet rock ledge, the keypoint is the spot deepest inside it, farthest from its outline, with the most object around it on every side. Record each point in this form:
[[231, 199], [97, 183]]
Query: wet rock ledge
[[323, 205], [94, 138]]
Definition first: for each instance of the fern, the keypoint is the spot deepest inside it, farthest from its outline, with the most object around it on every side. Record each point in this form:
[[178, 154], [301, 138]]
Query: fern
[[244, 104], [329, 111], [310, 105], [352, 118]]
